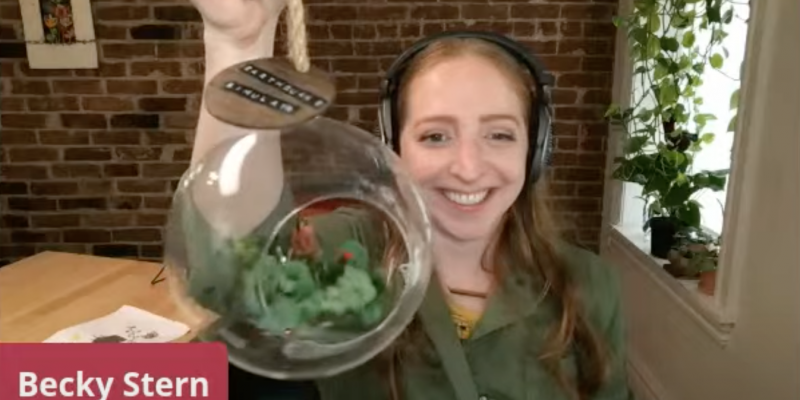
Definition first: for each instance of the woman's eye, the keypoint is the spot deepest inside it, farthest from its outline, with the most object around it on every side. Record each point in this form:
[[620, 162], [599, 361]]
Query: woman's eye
[[435, 137], [506, 136]]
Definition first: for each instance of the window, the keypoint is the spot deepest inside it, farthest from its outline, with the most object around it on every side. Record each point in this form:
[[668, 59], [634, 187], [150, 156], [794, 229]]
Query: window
[[716, 90]]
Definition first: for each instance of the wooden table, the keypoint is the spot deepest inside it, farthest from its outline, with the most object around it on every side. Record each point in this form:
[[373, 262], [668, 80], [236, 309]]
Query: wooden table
[[50, 291]]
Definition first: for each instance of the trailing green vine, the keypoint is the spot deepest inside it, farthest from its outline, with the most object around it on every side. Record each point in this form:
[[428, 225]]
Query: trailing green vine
[[672, 43]]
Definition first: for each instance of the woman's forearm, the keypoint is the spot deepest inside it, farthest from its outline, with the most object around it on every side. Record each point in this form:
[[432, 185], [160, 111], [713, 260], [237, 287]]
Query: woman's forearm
[[249, 179], [219, 55]]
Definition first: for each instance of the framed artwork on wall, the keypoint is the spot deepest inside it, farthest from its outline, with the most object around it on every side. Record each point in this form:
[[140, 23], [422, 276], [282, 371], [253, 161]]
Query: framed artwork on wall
[[59, 34]]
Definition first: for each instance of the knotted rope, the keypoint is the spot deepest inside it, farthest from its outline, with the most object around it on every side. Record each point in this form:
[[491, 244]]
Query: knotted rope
[[298, 41]]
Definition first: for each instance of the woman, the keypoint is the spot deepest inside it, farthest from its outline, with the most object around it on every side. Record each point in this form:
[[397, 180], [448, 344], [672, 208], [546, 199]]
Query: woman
[[536, 318]]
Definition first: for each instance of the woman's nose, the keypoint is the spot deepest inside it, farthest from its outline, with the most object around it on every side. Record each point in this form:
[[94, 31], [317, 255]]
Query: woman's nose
[[467, 163]]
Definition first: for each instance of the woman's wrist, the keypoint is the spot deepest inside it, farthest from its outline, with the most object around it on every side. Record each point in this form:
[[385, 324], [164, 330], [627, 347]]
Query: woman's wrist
[[221, 52]]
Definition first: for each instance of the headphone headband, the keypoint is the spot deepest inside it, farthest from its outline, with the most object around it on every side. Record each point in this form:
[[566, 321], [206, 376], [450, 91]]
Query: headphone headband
[[539, 132]]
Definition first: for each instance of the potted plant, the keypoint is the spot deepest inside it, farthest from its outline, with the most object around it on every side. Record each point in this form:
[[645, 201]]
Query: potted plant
[[695, 255], [663, 128], [689, 244]]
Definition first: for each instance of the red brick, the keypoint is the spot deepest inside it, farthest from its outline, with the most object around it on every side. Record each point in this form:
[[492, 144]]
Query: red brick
[[107, 103], [564, 96], [433, 12], [53, 104], [116, 13], [33, 154], [76, 86], [182, 86], [76, 171], [585, 46], [23, 172], [12, 104], [13, 221], [18, 137], [82, 203], [141, 186], [600, 64], [131, 87], [180, 50], [578, 174], [106, 69], [137, 235], [561, 63], [485, 11], [87, 154], [157, 202], [7, 188], [162, 104], [84, 121], [537, 11], [41, 236], [584, 80], [595, 96], [114, 32], [31, 204], [19, 86], [579, 113], [106, 219], [331, 13], [593, 12], [23, 120], [54, 188], [132, 50], [117, 137], [121, 170], [87, 236], [62, 137]]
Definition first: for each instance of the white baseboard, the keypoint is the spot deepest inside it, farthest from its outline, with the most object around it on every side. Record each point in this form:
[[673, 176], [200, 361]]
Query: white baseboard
[[642, 382]]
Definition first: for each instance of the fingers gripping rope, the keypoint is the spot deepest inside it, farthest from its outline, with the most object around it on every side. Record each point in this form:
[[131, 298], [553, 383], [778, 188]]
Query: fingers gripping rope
[[298, 42]]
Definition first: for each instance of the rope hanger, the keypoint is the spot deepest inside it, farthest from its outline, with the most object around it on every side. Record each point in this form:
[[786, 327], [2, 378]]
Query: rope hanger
[[298, 40]]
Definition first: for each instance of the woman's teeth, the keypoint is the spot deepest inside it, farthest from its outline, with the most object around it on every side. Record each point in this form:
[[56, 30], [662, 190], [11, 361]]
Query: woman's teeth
[[466, 199]]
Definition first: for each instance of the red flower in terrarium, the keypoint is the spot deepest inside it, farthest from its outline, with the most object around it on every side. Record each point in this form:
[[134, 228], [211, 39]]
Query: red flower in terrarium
[[61, 11], [347, 256]]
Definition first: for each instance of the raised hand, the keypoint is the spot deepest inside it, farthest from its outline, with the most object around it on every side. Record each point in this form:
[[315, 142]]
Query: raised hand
[[240, 24]]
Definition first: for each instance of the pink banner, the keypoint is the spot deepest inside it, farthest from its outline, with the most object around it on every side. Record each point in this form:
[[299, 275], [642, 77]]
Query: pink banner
[[112, 371]]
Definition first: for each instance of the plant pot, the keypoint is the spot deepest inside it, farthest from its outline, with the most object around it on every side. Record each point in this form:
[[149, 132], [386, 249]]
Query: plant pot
[[662, 236], [708, 282], [678, 265]]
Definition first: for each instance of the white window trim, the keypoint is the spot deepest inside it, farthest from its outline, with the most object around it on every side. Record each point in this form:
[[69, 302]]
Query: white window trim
[[716, 315]]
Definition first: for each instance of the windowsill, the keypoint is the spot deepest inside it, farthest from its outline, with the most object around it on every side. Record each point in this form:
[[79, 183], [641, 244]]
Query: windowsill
[[704, 309]]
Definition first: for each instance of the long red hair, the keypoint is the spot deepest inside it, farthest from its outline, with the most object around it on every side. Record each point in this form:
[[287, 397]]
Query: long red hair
[[527, 240]]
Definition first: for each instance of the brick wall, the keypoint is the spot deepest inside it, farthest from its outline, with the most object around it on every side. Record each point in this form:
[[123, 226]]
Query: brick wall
[[89, 157]]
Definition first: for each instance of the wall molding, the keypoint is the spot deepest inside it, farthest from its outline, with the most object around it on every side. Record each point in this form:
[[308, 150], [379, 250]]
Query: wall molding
[[708, 317]]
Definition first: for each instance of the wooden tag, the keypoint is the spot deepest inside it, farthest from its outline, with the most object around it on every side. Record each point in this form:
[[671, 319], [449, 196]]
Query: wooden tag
[[268, 93]]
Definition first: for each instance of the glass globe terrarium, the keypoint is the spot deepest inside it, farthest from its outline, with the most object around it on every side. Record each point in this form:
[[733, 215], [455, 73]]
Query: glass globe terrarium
[[234, 256]]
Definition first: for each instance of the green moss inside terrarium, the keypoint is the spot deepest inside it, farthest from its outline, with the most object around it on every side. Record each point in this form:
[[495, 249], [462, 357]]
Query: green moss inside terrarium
[[277, 293]]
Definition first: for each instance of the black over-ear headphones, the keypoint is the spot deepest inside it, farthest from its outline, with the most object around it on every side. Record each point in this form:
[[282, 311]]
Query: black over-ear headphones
[[540, 129]]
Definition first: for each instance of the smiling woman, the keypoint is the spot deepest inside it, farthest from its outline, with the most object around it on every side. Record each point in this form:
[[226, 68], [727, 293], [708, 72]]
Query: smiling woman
[[468, 156]]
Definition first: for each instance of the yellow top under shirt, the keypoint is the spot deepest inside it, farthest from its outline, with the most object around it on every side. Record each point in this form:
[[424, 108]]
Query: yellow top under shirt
[[464, 319]]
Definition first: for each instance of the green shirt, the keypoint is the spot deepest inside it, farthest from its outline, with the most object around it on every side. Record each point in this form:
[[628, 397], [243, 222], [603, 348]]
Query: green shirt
[[502, 353]]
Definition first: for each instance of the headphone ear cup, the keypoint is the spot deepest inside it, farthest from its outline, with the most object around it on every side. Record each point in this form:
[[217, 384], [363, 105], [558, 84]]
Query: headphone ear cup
[[547, 149], [543, 156]]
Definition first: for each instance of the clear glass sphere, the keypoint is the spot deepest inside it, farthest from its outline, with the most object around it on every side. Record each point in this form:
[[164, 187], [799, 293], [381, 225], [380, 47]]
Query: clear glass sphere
[[290, 304]]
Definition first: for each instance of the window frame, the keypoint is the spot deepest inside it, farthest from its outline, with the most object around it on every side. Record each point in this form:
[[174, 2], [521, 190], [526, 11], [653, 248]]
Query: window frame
[[716, 314]]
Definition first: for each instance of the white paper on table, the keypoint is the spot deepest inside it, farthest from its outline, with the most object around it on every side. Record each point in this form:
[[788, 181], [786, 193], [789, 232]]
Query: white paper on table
[[126, 325]]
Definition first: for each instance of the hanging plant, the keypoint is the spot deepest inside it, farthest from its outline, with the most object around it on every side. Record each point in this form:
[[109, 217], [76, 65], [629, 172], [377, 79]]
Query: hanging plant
[[672, 43]]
